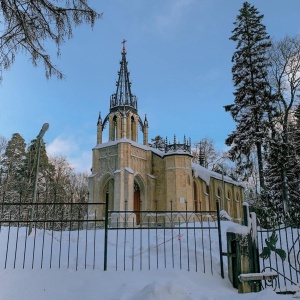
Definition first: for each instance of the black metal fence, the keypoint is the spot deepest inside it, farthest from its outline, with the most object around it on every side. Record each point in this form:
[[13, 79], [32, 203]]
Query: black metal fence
[[81, 235], [164, 239], [49, 235], [279, 250]]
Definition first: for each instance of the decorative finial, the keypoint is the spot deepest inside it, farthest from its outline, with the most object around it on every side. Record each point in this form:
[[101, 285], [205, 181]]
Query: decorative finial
[[99, 119], [123, 42]]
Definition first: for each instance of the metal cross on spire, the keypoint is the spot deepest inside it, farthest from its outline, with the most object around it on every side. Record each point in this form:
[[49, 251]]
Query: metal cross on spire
[[124, 42]]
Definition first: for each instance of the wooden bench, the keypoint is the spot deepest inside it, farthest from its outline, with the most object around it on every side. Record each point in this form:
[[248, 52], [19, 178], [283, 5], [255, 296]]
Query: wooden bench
[[251, 282]]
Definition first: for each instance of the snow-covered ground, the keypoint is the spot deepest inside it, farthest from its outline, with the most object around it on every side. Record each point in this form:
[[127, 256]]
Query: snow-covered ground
[[46, 284]]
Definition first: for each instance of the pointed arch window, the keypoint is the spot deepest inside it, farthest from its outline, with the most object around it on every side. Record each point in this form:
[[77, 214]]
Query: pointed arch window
[[228, 195], [132, 128], [206, 191], [195, 196], [115, 127]]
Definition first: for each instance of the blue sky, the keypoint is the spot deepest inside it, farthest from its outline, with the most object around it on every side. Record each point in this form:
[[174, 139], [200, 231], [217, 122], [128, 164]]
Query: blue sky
[[179, 58]]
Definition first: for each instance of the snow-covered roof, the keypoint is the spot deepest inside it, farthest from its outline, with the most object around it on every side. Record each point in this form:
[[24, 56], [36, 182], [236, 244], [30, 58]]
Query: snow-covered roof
[[129, 170], [199, 171], [141, 146], [123, 140], [206, 174]]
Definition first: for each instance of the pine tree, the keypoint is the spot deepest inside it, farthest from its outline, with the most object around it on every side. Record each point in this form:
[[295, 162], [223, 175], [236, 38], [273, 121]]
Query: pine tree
[[251, 102], [158, 142], [273, 206], [13, 165], [3, 145], [44, 171]]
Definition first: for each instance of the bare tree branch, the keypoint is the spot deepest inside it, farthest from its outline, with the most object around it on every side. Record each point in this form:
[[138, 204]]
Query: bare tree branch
[[28, 24]]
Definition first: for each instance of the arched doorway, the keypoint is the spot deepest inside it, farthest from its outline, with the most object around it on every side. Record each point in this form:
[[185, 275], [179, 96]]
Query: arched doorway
[[108, 193], [137, 202]]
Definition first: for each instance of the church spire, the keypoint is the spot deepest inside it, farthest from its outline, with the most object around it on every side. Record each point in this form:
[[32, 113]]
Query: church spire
[[123, 98]]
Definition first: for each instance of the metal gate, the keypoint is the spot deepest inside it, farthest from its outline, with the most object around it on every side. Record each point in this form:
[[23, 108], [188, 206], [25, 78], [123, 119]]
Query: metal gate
[[279, 251], [163, 240]]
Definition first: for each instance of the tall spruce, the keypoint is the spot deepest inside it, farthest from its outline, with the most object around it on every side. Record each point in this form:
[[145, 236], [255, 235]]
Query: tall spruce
[[249, 74], [13, 164], [44, 171]]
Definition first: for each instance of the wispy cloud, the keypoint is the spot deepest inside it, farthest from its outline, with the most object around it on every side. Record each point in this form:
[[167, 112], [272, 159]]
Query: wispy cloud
[[82, 162], [79, 159], [61, 146], [173, 14]]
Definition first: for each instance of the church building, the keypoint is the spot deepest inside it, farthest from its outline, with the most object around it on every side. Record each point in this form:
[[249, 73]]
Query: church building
[[134, 176]]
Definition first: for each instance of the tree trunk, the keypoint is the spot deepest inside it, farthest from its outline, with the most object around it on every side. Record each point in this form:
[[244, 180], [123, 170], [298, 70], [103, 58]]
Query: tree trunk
[[260, 166]]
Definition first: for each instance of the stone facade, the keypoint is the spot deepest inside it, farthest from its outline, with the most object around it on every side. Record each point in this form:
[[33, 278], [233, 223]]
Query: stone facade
[[123, 167], [135, 176]]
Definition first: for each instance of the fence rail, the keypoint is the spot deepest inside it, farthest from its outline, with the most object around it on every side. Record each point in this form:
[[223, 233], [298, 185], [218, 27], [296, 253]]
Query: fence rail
[[48, 235], [82, 235]]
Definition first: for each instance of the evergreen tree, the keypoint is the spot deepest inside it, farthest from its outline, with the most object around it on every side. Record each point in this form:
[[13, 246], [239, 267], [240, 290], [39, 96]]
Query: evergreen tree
[[280, 170], [158, 142], [3, 145], [13, 165], [296, 132], [44, 171], [251, 102], [282, 166]]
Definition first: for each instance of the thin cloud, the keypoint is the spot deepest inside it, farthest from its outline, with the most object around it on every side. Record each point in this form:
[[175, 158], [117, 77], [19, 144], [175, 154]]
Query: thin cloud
[[173, 14], [83, 162], [61, 146], [80, 160]]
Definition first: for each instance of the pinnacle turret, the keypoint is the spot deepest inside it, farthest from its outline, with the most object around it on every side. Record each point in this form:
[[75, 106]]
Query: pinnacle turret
[[99, 119], [146, 121]]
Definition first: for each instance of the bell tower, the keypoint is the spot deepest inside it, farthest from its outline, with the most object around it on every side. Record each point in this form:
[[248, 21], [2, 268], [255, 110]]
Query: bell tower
[[123, 118]]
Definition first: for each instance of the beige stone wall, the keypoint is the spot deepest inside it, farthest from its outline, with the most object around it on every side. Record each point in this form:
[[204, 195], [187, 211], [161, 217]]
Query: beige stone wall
[[179, 181], [161, 180], [158, 170], [207, 198]]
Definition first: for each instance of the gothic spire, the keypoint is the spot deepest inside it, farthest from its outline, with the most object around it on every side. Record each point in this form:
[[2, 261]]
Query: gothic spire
[[123, 98]]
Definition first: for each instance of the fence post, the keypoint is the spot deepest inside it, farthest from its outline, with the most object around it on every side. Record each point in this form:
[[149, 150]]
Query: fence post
[[220, 238], [245, 214], [105, 232]]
